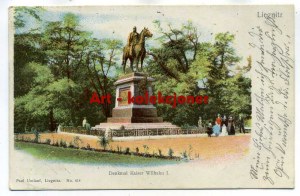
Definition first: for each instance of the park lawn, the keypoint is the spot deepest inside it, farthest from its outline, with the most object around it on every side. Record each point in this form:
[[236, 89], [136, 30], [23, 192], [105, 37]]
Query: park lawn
[[60, 154]]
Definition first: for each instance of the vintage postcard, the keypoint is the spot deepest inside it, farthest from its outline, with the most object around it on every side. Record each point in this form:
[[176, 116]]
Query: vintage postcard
[[151, 97]]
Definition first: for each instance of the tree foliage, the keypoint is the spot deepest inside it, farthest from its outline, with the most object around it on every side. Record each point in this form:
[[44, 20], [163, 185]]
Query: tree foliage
[[58, 69], [58, 65], [186, 66]]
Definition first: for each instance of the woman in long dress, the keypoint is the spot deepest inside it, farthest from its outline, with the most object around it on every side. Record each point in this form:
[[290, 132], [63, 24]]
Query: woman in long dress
[[230, 127], [224, 130]]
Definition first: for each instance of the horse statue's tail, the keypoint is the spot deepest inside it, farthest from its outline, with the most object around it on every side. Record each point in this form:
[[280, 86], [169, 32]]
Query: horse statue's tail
[[123, 57]]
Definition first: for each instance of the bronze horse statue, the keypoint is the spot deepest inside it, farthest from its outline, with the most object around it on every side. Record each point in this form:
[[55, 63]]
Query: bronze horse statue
[[138, 52]]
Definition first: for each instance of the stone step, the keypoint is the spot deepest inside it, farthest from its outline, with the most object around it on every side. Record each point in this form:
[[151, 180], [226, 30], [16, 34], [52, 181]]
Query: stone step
[[163, 125]]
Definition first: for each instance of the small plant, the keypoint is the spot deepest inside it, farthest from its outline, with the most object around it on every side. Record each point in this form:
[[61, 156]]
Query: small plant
[[48, 141], [160, 153], [137, 150], [119, 149], [127, 150], [63, 143], [36, 136], [76, 141], [71, 145], [27, 139], [190, 151], [88, 146], [184, 155], [154, 154], [55, 143], [110, 147], [170, 152], [103, 141], [146, 148]]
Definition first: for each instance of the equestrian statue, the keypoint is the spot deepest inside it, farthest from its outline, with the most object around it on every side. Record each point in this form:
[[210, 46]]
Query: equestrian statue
[[135, 49]]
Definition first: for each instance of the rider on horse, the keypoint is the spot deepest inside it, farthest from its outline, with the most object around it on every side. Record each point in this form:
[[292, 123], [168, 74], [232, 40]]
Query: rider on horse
[[135, 49], [133, 39]]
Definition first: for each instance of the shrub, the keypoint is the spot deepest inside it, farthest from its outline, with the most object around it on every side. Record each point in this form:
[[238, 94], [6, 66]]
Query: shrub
[[110, 148], [63, 144], [146, 148], [119, 148], [170, 152], [190, 151], [36, 136], [160, 153], [55, 143], [127, 150], [88, 146], [48, 141], [184, 155], [154, 154], [103, 141], [71, 145], [137, 150], [76, 141]]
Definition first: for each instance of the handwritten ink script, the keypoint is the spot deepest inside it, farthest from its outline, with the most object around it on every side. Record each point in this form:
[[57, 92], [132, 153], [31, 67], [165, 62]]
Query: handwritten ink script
[[272, 101]]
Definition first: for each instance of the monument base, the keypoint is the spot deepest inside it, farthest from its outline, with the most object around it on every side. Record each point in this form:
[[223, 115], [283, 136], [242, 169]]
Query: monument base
[[134, 116], [141, 114]]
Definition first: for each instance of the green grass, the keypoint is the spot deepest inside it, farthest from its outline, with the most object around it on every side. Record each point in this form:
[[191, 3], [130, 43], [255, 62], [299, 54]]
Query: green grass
[[59, 154]]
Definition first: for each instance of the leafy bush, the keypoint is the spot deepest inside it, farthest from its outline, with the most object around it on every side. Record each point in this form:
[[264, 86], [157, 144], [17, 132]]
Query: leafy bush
[[190, 151], [184, 155], [170, 152], [48, 141], [119, 148], [36, 136], [55, 143], [63, 143], [103, 141], [146, 148], [154, 153], [160, 153], [76, 141], [187, 126], [88, 146], [71, 145], [127, 150]]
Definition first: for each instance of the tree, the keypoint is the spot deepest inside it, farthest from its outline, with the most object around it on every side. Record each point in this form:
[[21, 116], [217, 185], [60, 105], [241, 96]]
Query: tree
[[186, 66], [101, 63], [21, 12], [26, 47], [69, 64]]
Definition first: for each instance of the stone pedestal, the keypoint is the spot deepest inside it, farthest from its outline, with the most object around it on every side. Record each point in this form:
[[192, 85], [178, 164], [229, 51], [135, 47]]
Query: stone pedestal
[[133, 115], [137, 84]]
